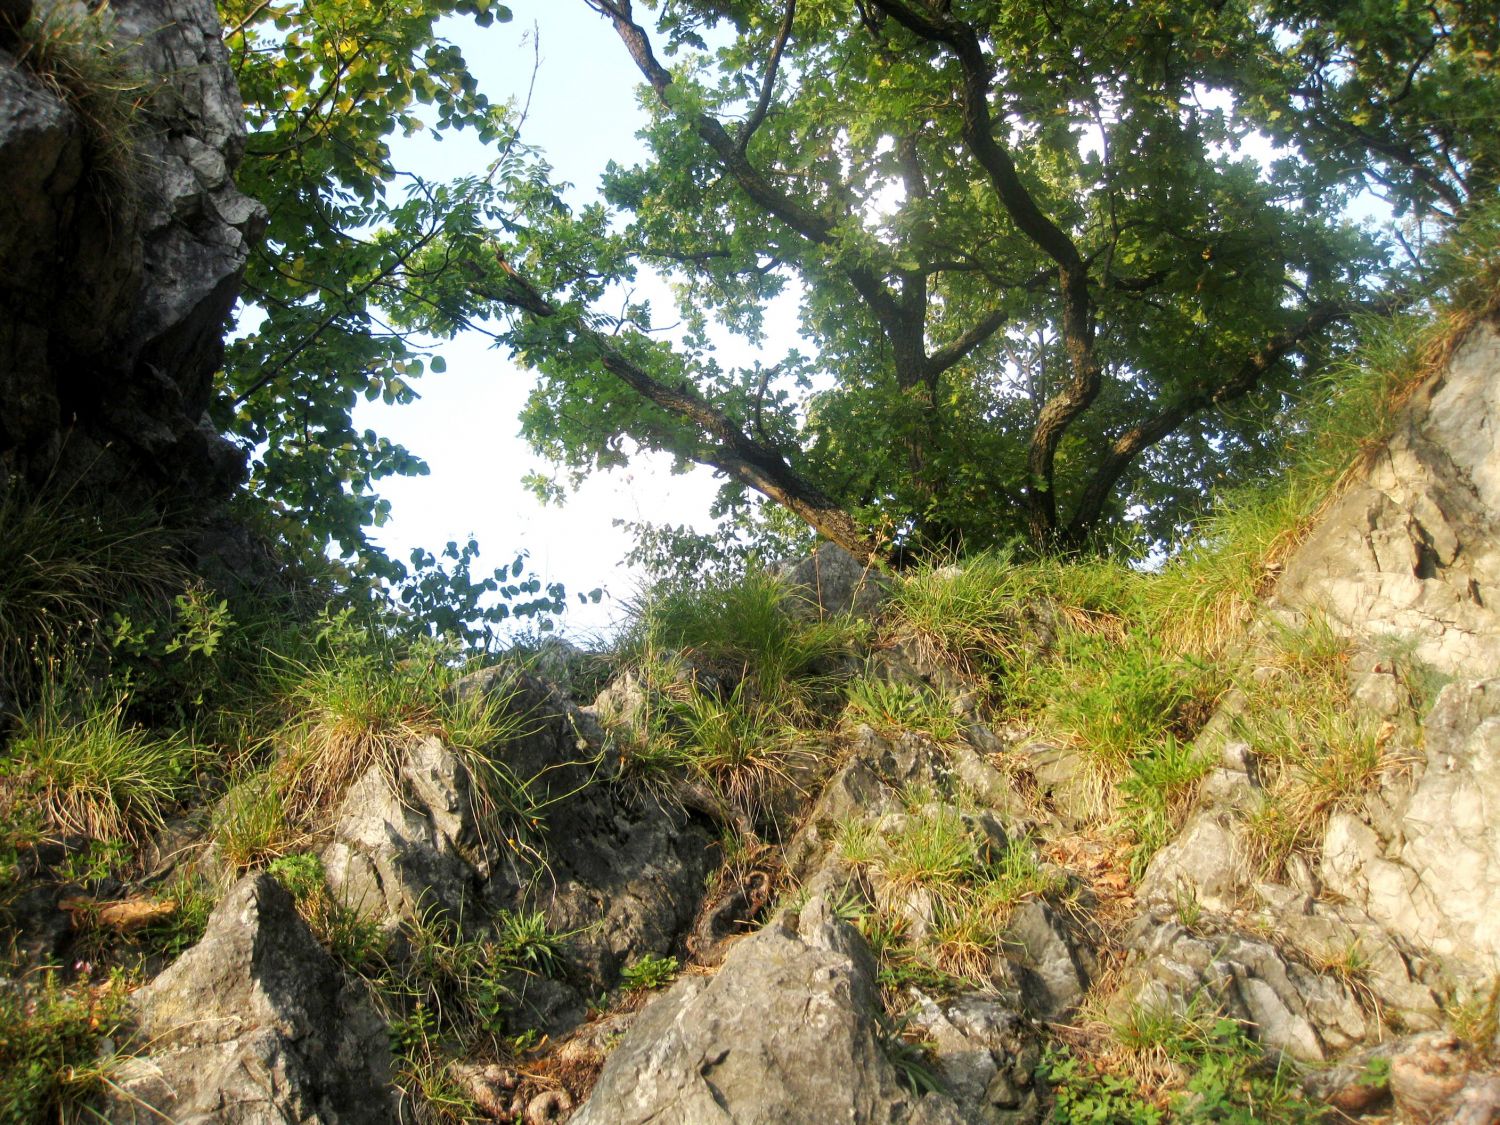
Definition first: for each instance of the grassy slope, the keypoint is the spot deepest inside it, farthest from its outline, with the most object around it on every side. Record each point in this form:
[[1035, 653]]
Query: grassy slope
[[137, 695]]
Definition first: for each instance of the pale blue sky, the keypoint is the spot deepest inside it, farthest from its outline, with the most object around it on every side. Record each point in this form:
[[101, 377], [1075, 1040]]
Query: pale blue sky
[[583, 113]]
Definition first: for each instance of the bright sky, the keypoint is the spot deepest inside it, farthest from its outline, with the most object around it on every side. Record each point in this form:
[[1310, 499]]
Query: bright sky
[[583, 114]]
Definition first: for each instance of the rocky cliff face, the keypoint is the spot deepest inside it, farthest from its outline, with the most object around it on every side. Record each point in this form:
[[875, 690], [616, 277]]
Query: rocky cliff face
[[122, 242], [1357, 962]]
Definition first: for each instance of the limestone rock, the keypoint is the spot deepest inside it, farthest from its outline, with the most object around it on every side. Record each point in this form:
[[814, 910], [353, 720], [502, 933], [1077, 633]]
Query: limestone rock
[[1310, 1016], [1053, 967], [400, 840], [1413, 548], [255, 1023], [831, 582], [620, 874], [116, 293], [987, 1052], [784, 1032], [1437, 883]]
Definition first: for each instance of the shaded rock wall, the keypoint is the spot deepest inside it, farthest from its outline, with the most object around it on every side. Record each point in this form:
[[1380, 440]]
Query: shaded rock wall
[[116, 277]]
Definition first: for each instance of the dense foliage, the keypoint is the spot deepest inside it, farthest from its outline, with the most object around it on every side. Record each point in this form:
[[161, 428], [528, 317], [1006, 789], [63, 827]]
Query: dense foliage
[[1061, 268]]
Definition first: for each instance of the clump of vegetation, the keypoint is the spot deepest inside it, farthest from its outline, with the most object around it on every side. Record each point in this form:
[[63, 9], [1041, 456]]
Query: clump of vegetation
[[91, 773], [943, 891], [65, 563], [1317, 752], [734, 687], [50, 1033], [649, 971], [890, 707], [77, 50]]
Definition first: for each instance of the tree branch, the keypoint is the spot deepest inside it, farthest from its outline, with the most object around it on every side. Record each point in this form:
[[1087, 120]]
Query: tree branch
[[1078, 394], [768, 84], [727, 447], [1133, 442]]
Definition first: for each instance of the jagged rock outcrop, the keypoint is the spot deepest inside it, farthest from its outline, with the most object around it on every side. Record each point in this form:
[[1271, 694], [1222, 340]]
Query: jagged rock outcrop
[[255, 1023], [1390, 921], [1412, 548], [120, 256], [785, 1031], [618, 874]]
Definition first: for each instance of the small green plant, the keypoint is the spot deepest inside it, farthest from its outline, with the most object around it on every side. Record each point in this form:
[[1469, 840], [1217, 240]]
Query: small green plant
[[525, 941], [649, 972], [1221, 1075], [301, 874], [892, 708], [171, 660], [1084, 1095], [95, 861], [913, 1062], [49, 1041], [176, 933]]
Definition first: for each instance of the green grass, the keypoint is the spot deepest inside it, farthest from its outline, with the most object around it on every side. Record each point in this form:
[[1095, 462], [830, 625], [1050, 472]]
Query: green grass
[[970, 890], [1166, 1065], [65, 564], [1318, 753], [362, 698], [1157, 793], [251, 822], [92, 774], [892, 708], [740, 630]]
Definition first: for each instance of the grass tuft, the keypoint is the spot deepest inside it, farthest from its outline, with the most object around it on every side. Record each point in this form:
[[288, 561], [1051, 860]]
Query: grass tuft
[[77, 50], [91, 774]]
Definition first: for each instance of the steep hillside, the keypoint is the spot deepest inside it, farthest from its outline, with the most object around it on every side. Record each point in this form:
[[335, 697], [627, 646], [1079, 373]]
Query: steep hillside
[[996, 839]]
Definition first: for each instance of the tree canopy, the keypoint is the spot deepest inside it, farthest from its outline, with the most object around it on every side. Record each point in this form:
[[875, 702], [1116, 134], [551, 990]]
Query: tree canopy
[[1061, 267]]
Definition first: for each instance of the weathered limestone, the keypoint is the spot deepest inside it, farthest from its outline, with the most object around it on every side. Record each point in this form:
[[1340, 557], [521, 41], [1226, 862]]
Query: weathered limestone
[[784, 1032], [255, 1024], [116, 284]]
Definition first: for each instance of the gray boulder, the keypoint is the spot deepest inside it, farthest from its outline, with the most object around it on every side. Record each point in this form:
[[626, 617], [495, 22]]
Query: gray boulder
[[403, 843], [786, 1031], [831, 582], [255, 1024], [987, 1052], [1411, 549]]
